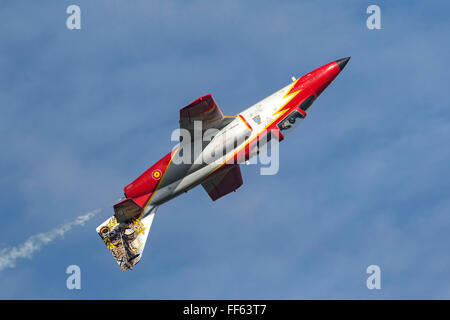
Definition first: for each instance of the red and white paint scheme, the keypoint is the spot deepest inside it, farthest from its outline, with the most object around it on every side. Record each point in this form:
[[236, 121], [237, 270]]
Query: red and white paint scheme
[[235, 139]]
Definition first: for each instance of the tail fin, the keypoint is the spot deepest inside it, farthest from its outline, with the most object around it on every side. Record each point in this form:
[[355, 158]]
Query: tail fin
[[126, 241]]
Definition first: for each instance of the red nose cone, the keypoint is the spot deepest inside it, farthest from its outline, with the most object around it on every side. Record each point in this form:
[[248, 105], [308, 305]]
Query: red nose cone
[[319, 79], [342, 62]]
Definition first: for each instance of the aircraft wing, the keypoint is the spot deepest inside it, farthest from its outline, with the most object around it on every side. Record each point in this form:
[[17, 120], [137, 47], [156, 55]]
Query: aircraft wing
[[203, 109], [223, 181]]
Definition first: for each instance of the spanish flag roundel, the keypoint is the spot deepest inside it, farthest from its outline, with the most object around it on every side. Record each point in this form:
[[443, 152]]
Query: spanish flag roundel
[[156, 174]]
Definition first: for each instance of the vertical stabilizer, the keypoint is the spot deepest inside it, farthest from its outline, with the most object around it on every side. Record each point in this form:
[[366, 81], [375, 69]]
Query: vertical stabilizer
[[126, 241]]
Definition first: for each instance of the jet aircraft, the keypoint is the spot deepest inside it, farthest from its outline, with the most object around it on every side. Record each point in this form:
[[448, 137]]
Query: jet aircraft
[[211, 148]]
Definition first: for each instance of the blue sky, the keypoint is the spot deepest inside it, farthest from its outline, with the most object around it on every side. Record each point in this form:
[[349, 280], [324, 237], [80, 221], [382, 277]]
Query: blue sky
[[364, 180]]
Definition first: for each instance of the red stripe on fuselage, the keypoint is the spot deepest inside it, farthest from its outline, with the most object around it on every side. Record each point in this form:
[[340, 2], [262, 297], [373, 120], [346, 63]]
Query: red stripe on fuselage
[[245, 122]]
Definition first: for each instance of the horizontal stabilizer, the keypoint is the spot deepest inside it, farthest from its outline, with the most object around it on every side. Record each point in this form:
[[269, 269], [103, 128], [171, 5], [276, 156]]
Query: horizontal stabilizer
[[130, 208]]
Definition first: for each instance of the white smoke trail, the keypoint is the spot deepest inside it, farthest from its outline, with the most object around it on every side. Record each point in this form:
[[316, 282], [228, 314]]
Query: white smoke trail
[[8, 256]]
